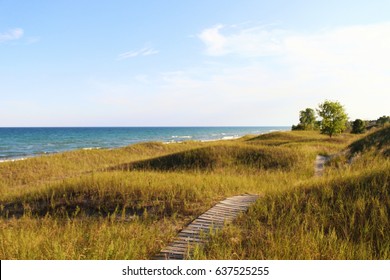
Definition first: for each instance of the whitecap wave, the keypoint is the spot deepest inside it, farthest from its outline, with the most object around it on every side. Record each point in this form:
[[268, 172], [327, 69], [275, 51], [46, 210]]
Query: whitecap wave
[[230, 137], [182, 136], [13, 159]]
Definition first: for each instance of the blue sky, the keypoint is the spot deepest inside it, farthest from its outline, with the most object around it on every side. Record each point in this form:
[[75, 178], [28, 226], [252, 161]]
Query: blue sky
[[190, 63]]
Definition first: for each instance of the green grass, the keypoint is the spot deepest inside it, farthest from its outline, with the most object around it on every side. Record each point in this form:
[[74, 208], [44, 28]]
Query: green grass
[[378, 141], [217, 157], [128, 203], [343, 215], [333, 218]]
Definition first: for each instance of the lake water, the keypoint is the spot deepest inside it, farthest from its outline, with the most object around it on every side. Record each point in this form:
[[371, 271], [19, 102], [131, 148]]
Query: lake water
[[18, 143]]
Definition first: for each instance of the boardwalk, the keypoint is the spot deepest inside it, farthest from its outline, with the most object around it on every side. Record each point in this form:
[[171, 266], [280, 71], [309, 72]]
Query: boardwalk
[[215, 218], [195, 233]]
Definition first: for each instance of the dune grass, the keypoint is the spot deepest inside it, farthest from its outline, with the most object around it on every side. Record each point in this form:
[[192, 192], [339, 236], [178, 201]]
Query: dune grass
[[87, 238], [38, 170], [128, 203], [342, 215], [334, 219]]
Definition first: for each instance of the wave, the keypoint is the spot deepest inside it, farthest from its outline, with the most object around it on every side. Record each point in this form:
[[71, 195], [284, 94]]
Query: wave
[[230, 137], [183, 137], [13, 159], [172, 142]]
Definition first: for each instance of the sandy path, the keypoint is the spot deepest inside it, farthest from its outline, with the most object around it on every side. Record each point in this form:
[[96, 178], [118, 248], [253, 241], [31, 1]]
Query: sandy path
[[319, 165]]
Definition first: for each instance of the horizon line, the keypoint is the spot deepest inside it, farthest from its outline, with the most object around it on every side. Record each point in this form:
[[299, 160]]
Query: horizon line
[[147, 126]]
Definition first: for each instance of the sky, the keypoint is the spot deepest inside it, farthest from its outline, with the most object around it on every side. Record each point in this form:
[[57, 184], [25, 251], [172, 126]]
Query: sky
[[190, 63]]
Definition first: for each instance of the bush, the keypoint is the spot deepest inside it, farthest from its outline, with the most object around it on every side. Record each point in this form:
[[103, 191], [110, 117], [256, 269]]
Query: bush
[[358, 126]]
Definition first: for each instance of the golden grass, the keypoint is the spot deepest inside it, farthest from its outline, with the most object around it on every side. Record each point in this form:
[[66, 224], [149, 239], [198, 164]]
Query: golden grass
[[136, 198], [77, 239], [343, 215]]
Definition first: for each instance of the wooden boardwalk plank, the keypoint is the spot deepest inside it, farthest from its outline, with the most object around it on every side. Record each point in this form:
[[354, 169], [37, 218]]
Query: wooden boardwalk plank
[[198, 230]]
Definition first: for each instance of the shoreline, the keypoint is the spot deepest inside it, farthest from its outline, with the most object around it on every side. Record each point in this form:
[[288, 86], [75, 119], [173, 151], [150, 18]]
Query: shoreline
[[15, 159], [108, 148], [173, 141]]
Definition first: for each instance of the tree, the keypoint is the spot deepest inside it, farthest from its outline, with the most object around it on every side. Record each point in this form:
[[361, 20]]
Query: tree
[[307, 119], [358, 126], [297, 127], [333, 117], [383, 120]]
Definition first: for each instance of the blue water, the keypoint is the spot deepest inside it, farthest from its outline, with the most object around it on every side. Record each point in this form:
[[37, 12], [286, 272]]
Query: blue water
[[26, 142]]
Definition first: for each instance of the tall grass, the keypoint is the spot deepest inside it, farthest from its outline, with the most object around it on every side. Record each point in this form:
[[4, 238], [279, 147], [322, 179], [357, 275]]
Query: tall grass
[[49, 238], [343, 215], [217, 157], [38, 170], [128, 203]]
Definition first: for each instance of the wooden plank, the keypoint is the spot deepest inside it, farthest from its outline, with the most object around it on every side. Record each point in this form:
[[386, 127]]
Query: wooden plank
[[203, 222], [220, 217], [195, 232], [206, 221], [172, 249], [223, 209], [240, 199], [215, 216], [210, 221], [227, 208], [242, 207], [189, 236], [175, 252], [177, 245], [173, 255], [204, 229], [184, 243], [200, 227], [219, 212], [196, 240], [234, 203], [211, 217]]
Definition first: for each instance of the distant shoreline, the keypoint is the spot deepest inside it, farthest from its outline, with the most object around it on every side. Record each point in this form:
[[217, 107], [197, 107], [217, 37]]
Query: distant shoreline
[[24, 143]]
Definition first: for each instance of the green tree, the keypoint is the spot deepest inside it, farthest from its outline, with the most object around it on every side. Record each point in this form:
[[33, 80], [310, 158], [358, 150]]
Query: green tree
[[333, 116], [383, 120], [358, 126], [307, 119], [297, 127]]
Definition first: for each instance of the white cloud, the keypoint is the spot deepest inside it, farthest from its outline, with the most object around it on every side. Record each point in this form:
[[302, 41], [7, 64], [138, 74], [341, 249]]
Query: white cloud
[[350, 64], [214, 41], [11, 34], [142, 52], [252, 41]]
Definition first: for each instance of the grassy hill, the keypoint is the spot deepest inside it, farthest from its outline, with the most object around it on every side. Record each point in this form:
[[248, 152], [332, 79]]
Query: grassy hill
[[344, 215], [128, 203], [220, 156], [377, 142]]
